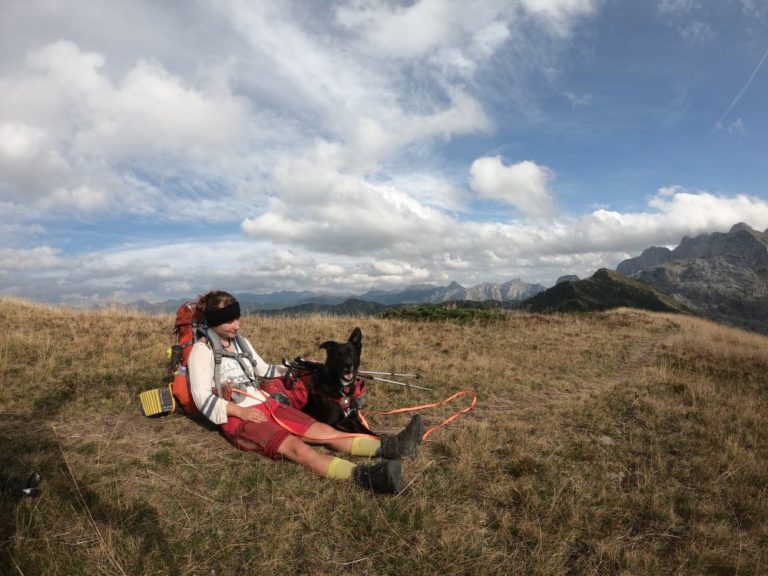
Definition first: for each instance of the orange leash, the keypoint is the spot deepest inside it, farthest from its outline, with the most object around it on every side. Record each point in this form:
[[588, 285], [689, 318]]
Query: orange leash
[[434, 405], [451, 418], [287, 428]]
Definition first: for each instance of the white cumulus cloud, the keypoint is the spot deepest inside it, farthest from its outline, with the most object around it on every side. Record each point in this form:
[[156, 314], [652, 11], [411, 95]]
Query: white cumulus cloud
[[524, 185], [316, 205], [72, 137]]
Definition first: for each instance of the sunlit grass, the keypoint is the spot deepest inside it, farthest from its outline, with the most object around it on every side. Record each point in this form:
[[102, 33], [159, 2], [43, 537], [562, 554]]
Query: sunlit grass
[[621, 442]]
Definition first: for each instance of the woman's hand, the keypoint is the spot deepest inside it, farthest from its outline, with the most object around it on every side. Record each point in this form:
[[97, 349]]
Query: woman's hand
[[245, 413]]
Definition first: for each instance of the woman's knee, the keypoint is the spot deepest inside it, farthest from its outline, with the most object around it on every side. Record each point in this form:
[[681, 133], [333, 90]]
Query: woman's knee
[[294, 449], [321, 431]]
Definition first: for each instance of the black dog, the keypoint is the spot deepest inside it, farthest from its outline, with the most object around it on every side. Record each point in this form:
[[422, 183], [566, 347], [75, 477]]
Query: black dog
[[337, 393], [333, 393]]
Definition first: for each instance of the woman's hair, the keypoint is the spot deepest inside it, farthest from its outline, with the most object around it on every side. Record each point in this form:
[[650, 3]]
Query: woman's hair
[[214, 300]]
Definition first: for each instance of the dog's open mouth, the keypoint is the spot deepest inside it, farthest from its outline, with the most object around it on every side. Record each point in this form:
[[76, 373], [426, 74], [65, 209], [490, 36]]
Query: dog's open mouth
[[348, 376]]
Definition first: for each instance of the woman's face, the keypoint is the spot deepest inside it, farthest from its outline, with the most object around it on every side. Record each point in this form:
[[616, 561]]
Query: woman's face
[[228, 330]]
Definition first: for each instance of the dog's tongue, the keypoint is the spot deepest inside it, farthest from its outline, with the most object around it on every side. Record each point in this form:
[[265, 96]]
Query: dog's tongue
[[348, 376]]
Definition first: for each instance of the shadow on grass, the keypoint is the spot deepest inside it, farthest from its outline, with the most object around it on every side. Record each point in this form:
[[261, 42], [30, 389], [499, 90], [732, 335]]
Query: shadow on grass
[[29, 444]]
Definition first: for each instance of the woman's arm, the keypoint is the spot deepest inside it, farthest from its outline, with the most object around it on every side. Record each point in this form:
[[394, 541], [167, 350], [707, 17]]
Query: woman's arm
[[245, 413], [200, 369]]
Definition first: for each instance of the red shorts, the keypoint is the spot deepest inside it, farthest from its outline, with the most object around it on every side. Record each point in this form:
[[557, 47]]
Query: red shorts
[[266, 437]]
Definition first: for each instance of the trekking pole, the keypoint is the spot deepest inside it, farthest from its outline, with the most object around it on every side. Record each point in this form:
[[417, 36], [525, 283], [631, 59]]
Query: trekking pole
[[415, 375], [302, 362], [376, 378]]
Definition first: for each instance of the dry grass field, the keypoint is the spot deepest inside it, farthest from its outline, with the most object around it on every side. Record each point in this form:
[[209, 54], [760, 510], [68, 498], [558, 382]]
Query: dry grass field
[[615, 443]]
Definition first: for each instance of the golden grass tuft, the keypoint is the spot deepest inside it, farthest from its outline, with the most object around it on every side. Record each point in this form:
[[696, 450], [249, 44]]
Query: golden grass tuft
[[615, 443]]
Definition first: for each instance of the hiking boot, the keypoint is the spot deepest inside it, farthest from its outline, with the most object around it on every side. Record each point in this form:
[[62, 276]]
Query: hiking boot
[[384, 477], [406, 442]]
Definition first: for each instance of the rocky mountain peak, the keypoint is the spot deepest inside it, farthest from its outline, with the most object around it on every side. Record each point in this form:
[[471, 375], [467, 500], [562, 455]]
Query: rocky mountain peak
[[652, 256], [567, 278], [741, 226], [723, 276]]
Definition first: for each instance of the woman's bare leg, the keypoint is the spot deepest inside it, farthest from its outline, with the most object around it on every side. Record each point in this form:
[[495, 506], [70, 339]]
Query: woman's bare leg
[[319, 433], [295, 450]]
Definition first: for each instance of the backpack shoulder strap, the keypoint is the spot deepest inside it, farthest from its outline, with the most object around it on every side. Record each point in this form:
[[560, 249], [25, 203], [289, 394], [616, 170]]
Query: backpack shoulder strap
[[245, 351], [218, 353]]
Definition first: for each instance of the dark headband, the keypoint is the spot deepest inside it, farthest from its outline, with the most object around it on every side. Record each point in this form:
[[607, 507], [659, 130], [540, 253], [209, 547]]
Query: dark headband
[[223, 315]]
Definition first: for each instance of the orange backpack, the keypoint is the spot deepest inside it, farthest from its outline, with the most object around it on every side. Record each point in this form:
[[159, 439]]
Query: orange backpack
[[188, 322]]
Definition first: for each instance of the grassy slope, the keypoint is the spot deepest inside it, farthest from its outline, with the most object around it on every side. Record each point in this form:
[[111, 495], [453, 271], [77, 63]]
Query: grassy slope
[[601, 443]]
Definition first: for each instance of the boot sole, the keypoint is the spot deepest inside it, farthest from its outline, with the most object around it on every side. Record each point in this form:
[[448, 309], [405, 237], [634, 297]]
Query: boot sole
[[418, 433], [394, 476]]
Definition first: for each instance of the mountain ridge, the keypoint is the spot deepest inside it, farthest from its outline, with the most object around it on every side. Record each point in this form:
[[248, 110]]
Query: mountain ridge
[[514, 290], [604, 290]]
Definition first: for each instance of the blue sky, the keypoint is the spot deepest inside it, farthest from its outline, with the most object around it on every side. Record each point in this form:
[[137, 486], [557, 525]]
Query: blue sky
[[156, 150]]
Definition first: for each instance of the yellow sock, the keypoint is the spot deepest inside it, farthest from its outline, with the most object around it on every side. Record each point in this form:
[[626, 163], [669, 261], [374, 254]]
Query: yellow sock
[[340, 469], [364, 446]]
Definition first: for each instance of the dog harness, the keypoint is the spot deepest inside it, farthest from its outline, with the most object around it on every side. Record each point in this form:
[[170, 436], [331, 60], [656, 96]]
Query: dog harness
[[352, 396], [298, 383]]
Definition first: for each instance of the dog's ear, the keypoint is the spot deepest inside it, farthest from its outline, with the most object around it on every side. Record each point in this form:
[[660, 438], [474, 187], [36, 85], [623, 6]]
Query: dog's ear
[[356, 337], [327, 345]]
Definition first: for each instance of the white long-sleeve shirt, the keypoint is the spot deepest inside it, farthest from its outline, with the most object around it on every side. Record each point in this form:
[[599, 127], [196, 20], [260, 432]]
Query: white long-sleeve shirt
[[201, 366]]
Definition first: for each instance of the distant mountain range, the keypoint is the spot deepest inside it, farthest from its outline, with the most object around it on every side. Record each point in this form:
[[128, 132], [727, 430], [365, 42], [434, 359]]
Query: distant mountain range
[[512, 291], [722, 276], [349, 307], [371, 302]]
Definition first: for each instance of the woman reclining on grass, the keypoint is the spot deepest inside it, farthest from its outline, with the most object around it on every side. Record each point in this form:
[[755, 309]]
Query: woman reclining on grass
[[254, 421]]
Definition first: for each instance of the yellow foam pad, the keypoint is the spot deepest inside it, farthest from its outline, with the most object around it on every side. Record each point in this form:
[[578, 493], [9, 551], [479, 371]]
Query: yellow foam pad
[[157, 401]]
